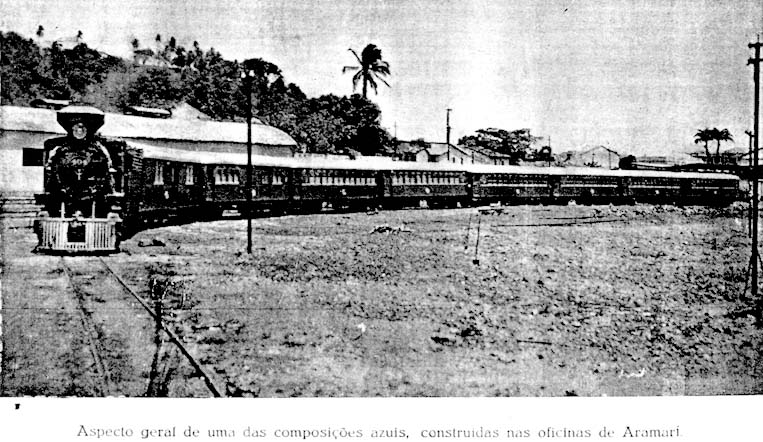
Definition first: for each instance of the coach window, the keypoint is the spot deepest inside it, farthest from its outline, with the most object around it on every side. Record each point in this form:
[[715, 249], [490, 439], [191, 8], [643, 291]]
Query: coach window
[[226, 175], [189, 174], [169, 174], [159, 174]]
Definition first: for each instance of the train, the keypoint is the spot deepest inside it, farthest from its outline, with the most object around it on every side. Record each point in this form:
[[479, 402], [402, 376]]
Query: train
[[98, 191]]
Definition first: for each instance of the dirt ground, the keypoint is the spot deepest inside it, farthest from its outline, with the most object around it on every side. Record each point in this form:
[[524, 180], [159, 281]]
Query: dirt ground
[[547, 301]]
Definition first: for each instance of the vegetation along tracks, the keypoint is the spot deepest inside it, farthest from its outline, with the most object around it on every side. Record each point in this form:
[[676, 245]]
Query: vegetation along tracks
[[117, 323]]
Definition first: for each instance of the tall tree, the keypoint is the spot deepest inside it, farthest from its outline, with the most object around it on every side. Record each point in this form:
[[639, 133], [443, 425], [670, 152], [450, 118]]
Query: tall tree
[[21, 74], [370, 68], [704, 136], [718, 136], [516, 143]]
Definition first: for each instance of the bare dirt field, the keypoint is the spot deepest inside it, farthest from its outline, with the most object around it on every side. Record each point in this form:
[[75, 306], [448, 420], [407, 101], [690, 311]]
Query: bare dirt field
[[557, 300]]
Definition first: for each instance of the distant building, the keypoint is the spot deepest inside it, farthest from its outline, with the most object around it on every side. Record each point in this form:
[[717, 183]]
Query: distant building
[[486, 156], [431, 152], [736, 155], [677, 159], [597, 156], [24, 129]]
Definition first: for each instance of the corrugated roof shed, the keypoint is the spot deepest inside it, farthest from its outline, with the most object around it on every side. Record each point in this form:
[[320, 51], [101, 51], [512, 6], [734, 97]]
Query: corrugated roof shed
[[15, 118]]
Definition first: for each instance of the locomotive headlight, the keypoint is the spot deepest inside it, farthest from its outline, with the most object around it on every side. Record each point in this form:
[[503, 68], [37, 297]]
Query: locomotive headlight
[[79, 131]]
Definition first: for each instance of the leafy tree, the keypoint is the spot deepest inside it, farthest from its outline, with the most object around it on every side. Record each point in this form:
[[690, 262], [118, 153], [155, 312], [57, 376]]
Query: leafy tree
[[332, 124], [154, 88], [544, 154], [516, 144], [207, 81], [370, 68], [21, 77], [215, 87]]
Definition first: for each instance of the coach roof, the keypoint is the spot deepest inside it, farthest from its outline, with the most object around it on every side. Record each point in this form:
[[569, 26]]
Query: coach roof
[[15, 118]]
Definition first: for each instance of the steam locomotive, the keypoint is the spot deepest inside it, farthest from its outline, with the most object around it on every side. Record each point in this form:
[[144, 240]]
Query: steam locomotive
[[98, 190], [81, 203]]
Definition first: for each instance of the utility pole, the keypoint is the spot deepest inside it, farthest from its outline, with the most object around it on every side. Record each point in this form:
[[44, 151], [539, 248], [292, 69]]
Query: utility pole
[[749, 160], [754, 169], [247, 76], [447, 131]]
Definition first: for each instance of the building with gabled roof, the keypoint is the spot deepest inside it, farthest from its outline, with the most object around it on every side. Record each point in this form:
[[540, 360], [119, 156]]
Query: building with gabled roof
[[596, 156], [434, 152], [23, 131]]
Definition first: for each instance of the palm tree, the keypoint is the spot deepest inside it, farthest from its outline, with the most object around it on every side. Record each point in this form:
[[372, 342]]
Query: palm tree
[[371, 68], [720, 135], [704, 136]]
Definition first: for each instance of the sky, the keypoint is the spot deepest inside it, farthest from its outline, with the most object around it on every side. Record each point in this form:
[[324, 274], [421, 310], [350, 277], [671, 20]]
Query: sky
[[640, 77]]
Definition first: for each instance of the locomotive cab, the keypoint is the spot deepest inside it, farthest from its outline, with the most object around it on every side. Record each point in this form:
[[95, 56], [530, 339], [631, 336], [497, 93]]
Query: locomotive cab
[[81, 203]]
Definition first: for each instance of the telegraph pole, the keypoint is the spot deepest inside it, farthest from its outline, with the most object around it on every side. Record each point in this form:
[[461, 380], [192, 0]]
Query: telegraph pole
[[447, 131], [754, 168], [749, 159], [247, 77]]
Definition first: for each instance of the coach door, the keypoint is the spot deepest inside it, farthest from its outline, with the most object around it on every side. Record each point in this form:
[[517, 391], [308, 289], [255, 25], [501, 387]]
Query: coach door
[[554, 186], [624, 187], [383, 184], [468, 182], [473, 182]]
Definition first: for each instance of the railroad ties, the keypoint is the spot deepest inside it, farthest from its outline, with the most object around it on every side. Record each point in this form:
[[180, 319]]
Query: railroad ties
[[121, 334]]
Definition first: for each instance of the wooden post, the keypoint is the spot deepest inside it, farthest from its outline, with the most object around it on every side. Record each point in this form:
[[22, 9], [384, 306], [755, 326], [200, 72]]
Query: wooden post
[[476, 260], [247, 77], [755, 170]]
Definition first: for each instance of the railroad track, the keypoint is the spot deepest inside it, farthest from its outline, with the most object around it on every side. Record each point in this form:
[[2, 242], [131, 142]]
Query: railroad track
[[119, 328]]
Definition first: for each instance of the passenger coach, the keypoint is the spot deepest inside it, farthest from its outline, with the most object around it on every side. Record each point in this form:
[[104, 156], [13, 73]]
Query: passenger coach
[[96, 189]]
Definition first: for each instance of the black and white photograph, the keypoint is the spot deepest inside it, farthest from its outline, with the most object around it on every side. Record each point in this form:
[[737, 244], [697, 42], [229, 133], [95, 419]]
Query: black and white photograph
[[393, 199]]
